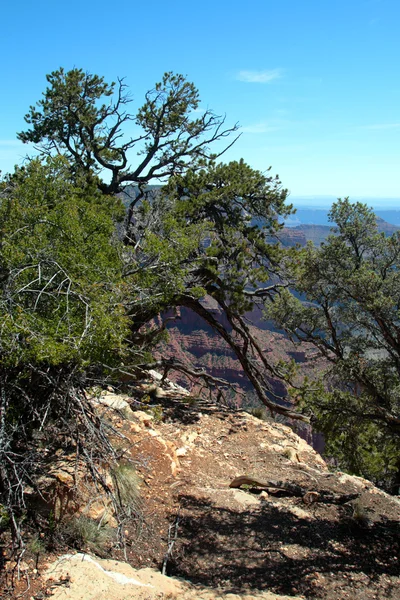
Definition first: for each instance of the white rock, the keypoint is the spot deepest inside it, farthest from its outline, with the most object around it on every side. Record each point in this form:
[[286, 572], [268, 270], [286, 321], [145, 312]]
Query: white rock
[[181, 451]]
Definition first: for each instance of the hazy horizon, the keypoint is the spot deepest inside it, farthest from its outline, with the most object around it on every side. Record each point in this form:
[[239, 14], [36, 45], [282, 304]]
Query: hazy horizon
[[324, 201]]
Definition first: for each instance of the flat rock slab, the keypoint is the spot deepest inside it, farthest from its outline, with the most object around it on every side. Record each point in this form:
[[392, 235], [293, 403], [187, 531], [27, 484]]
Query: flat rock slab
[[84, 577]]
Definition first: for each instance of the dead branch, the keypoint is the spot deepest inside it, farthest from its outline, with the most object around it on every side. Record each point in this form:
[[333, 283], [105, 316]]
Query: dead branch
[[291, 489]]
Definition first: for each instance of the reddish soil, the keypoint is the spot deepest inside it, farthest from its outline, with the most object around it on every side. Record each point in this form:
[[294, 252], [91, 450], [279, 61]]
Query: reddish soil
[[252, 539]]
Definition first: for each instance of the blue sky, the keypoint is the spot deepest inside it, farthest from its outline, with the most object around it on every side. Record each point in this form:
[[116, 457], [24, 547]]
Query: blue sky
[[315, 84]]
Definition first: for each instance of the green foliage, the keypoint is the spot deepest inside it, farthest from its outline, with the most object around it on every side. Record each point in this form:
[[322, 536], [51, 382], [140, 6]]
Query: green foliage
[[78, 301], [63, 321], [4, 517], [82, 116], [60, 288], [68, 104], [127, 483], [167, 107], [352, 286], [203, 234], [156, 412], [36, 545], [238, 207], [165, 259], [82, 532], [259, 413]]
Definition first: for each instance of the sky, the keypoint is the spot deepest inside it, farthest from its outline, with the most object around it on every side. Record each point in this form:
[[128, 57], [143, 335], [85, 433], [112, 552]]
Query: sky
[[314, 84]]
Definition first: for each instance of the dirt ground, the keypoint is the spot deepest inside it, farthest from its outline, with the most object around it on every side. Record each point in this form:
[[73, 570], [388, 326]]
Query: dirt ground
[[261, 538]]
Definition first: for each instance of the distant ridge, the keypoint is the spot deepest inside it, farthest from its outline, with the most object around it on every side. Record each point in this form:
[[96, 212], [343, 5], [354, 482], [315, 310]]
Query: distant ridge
[[301, 234], [310, 215], [310, 210]]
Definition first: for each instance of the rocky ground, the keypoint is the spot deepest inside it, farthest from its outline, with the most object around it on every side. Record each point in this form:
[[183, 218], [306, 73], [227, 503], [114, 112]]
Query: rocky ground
[[272, 537]]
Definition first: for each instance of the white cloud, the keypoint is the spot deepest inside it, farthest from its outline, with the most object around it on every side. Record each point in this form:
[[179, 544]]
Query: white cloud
[[259, 76], [261, 127]]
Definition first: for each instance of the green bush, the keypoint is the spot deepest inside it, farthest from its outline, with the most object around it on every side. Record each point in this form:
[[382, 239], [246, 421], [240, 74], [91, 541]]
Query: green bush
[[82, 532], [127, 483], [63, 324]]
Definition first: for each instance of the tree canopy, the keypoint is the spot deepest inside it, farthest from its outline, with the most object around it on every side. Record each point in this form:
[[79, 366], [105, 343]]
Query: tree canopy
[[203, 233], [351, 314], [224, 213], [62, 322], [82, 116], [60, 267]]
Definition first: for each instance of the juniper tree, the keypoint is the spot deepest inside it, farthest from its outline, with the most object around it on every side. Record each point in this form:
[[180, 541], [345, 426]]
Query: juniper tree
[[212, 229], [62, 323], [202, 233], [83, 117], [349, 310]]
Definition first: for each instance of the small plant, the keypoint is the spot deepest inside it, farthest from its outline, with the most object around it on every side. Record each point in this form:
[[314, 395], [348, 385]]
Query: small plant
[[82, 531], [290, 453], [96, 391], [359, 515], [127, 483], [36, 545], [156, 412], [4, 517], [246, 487], [258, 413], [191, 400]]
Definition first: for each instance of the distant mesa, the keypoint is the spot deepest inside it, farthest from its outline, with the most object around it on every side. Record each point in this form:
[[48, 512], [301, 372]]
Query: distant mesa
[[309, 214], [301, 234]]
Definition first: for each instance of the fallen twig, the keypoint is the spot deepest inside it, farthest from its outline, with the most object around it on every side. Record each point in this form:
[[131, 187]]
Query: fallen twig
[[172, 537]]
